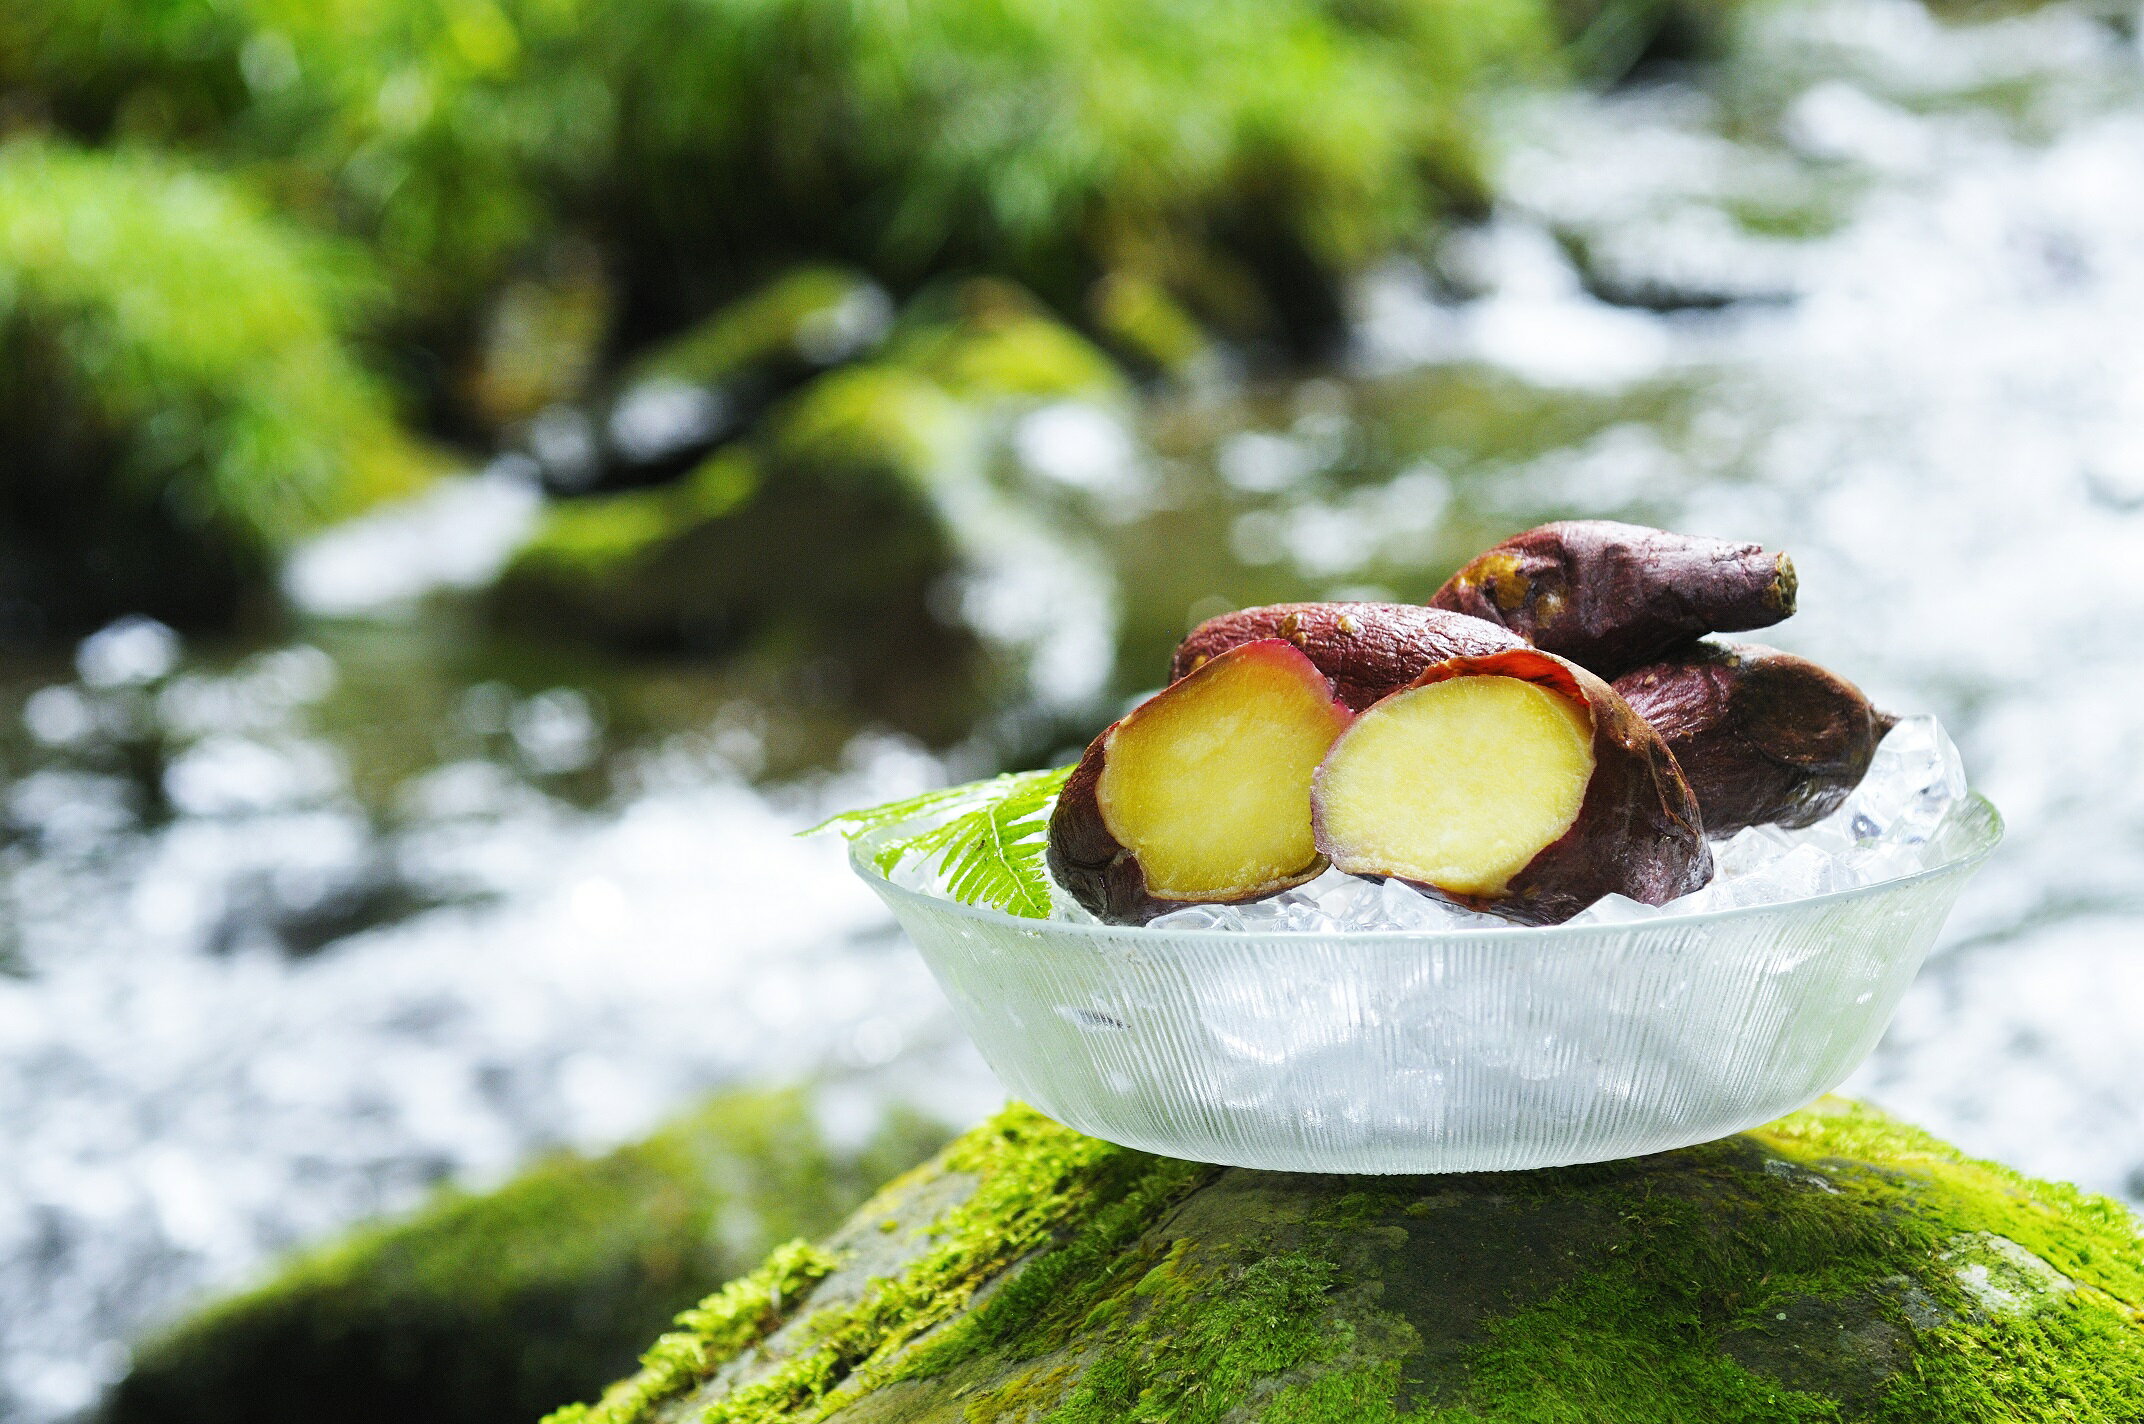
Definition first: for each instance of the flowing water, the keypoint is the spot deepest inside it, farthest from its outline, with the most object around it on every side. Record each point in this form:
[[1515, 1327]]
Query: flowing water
[[297, 929]]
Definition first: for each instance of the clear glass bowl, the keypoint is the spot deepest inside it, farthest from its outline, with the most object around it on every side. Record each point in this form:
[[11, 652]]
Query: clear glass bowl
[[1444, 1051]]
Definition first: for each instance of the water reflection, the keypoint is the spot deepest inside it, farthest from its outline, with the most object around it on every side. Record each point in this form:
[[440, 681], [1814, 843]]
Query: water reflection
[[295, 934]]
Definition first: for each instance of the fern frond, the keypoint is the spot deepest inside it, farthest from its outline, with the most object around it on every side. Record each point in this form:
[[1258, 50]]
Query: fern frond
[[852, 824], [988, 837]]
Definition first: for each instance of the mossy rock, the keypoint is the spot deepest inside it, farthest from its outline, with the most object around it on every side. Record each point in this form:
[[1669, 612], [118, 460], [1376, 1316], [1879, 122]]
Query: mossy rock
[[675, 401], [1835, 1265], [1146, 324], [989, 341], [810, 317], [177, 399], [833, 530], [494, 1306], [816, 552]]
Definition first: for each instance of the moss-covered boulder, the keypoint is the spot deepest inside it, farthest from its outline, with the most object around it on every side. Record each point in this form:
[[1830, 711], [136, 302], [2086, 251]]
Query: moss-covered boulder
[[1835, 1266], [493, 1307], [675, 401], [808, 318], [177, 401], [845, 529]]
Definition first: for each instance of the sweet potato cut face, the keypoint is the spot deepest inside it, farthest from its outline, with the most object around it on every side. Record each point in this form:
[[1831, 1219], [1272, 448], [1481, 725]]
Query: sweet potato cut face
[[1610, 596], [1202, 793], [1368, 649], [1459, 784], [1515, 782]]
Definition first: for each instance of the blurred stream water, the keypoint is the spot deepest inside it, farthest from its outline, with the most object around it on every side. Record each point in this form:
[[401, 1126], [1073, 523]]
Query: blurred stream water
[[292, 933]]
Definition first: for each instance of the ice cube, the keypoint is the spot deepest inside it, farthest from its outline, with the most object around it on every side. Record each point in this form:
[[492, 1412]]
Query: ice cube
[[1352, 903], [1201, 917], [1265, 916], [1804, 871], [1615, 910], [1913, 782], [1066, 910], [1751, 849], [1881, 860], [1406, 908]]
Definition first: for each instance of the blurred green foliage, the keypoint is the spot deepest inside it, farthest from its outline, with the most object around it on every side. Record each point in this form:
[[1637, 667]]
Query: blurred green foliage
[[829, 532], [507, 202], [177, 401], [1241, 152], [496, 1306]]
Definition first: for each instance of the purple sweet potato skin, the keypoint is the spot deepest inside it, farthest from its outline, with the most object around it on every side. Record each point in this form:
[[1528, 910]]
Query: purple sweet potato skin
[[1765, 737], [1638, 831], [1093, 866], [1611, 596], [1368, 650]]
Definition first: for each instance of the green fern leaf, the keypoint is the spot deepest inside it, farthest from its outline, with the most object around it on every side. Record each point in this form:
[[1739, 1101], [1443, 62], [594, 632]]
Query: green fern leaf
[[989, 838]]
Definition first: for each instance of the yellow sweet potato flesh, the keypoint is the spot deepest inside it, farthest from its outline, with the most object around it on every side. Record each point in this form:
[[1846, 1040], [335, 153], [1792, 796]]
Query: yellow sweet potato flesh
[[1209, 785], [1459, 784]]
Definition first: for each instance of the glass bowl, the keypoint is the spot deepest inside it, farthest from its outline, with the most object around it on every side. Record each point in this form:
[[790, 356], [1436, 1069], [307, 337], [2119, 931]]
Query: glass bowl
[[1439, 1051]]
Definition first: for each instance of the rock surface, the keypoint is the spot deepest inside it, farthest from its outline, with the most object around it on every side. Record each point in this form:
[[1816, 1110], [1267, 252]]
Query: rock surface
[[491, 1307], [1835, 1265]]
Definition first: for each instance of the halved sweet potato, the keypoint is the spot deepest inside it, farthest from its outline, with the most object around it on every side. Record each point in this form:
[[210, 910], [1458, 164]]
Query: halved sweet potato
[[1367, 649], [1765, 737], [1517, 783], [1610, 596], [1202, 792]]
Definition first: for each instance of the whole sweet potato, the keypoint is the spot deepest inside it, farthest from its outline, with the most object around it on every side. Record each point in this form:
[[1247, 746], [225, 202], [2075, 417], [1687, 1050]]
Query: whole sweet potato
[[1367, 649], [1610, 596], [1765, 737]]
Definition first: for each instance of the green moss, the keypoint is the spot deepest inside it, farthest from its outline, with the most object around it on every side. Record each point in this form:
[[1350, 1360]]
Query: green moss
[[1362, 1395], [1195, 1355], [875, 421], [600, 539], [1149, 326], [495, 1306], [808, 317], [2092, 1238], [1834, 1266], [1074, 1287], [1032, 1178], [1661, 1327], [738, 1316], [997, 344], [1672, 1321], [177, 399]]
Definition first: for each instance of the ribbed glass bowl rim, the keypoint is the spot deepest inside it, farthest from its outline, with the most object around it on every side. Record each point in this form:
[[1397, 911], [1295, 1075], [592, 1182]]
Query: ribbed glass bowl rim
[[1979, 823]]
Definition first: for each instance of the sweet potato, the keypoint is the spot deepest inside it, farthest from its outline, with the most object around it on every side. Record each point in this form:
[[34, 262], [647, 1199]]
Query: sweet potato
[[1611, 596], [1202, 792], [1367, 649], [1517, 783], [1765, 737]]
